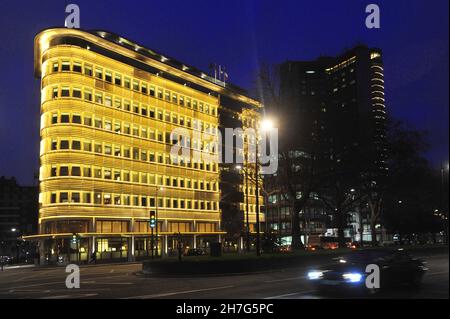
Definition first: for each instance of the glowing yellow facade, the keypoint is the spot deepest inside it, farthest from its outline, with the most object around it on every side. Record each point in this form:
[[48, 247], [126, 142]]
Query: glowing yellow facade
[[108, 108]]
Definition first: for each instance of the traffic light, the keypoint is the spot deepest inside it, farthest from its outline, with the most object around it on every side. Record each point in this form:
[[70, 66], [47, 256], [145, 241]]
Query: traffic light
[[74, 238], [152, 219]]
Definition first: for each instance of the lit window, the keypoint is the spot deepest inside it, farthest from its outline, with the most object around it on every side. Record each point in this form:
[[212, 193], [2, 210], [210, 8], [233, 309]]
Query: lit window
[[88, 70], [99, 73], [76, 145], [65, 118], [76, 93], [65, 91], [54, 118], [64, 171], [135, 85], [77, 67], [63, 197], [118, 79], [108, 76], [65, 66], [75, 197], [88, 95], [76, 171], [87, 147], [127, 82]]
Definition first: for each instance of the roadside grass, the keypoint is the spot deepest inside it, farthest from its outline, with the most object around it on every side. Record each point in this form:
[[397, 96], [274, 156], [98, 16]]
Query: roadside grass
[[250, 256]]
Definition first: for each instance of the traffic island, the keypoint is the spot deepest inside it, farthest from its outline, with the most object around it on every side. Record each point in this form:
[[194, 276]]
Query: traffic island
[[235, 264]]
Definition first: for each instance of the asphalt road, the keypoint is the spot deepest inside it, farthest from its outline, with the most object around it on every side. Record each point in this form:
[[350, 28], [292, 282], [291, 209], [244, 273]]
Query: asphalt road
[[123, 281]]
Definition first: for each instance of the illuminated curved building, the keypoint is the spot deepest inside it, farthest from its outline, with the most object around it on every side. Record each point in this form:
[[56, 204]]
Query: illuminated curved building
[[108, 107]]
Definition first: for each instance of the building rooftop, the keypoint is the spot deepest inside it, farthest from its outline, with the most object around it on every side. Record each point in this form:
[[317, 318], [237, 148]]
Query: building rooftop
[[163, 62]]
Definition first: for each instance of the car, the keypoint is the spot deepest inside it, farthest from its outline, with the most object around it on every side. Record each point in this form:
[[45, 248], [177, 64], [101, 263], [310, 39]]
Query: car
[[348, 273], [5, 260]]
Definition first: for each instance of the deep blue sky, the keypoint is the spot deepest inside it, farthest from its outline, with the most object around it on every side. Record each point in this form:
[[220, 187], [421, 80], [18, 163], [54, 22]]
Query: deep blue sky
[[239, 34]]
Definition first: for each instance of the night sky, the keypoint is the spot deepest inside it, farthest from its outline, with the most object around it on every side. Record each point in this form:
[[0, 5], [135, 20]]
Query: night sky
[[241, 35]]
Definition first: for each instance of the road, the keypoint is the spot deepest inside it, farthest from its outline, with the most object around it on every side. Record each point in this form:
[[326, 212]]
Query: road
[[124, 281]]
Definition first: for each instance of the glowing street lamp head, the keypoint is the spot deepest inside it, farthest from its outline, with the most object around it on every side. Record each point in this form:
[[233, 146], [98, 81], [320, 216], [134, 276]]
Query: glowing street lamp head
[[266, 124], [238, 167]]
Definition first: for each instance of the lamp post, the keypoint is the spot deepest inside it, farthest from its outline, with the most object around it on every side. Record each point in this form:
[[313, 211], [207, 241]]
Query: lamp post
[[247, 221], [157, 218], [444, 210], [266, 125]]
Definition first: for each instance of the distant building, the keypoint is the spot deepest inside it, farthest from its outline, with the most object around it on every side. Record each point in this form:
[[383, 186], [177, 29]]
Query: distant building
[[338, 107], [18, 217]]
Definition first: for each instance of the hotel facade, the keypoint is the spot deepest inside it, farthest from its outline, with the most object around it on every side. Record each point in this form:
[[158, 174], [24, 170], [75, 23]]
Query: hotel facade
[[109, 108]]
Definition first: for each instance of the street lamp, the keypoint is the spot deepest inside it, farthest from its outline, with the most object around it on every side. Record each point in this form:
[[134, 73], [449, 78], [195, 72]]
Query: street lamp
[[265, 125], [153, 223], [444, 168], [247, 221], [158, 189]]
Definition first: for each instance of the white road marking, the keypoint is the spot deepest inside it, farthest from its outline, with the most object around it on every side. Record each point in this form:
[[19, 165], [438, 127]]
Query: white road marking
[[291, 294], [69, 296], [437, 273], [177, 293], [285, 279]]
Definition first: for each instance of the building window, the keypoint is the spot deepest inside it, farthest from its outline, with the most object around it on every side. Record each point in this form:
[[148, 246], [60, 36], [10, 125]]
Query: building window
[[65, 92], [87, 146], [135, 85], [98, 98], [127, 82], [99, 73], [87, 121], [54, 145], [63, 197], [87, 198], [76, 145], [77, 67], [87, 172], [65, 66], [64, 145], [98, 148], [54, 118], [118, 79], [76, 119], [108, 76], [75, 197], [88, 70], [55, 93]]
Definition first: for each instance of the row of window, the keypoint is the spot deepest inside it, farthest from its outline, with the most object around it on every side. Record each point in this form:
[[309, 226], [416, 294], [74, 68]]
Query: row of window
[[144, 132], [251, 208], [123, 226], [130, 176], [133, 84], [134, 153], [99, 198], [141, 109]]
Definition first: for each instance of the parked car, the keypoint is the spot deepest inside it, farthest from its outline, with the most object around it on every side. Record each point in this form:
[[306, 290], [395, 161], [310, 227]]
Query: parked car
[[348, 273]]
